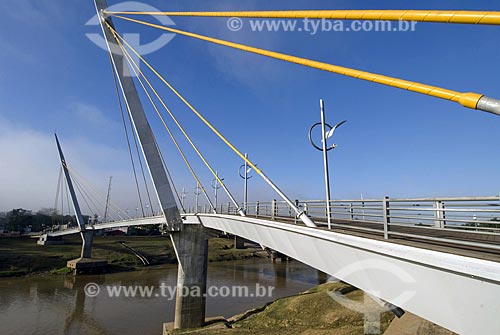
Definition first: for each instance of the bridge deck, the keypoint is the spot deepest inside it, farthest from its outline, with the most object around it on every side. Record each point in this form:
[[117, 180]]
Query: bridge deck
[[430, 239], [459, 242]]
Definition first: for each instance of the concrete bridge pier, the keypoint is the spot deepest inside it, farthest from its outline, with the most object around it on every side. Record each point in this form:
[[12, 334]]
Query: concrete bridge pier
[[239, 242], [86, 263], [277, 256], [191, 248], [87, 241], [45, 239]]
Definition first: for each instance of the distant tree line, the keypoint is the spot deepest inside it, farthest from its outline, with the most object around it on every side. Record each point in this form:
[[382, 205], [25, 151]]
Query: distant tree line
[[23, 220], [495, 224]]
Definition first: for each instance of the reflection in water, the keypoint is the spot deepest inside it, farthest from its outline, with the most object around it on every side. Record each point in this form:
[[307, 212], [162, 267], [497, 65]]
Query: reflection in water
[[279, 274], [322, 277], [58, 305], [77, 321]]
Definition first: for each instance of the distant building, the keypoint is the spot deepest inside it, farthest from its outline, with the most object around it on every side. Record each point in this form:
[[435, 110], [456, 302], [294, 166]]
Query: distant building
[[116, 232]]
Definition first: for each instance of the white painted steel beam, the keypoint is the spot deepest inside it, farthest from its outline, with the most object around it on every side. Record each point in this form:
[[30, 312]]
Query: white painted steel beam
[[459, 293]]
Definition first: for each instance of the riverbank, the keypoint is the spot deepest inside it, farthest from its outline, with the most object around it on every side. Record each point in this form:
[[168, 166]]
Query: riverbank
[[21, 256], [332, 308], [312, 312]]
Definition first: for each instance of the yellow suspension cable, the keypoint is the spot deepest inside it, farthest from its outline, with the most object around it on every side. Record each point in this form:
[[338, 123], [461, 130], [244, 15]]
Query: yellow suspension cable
[[135, 68], [242, 156], [469, 100], [172, 116], [300, 213], [441, 16]]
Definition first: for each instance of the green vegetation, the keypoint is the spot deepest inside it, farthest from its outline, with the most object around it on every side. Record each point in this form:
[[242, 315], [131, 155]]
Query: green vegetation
[[495, 224], [312, 312], [23, 220], [222, 249], [22, 256]]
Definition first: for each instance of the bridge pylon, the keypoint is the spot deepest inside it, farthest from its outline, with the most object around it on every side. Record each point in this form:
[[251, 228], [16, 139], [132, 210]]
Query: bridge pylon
[[85, 262], [190, 241]]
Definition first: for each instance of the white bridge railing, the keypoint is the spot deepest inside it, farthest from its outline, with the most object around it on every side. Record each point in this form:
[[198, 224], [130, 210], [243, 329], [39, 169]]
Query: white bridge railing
[[472, 221], [465, 221]]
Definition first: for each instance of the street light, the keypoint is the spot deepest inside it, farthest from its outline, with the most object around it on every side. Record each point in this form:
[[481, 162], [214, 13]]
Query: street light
[[324, 148], [183, 196], [197, 192], [216, 186], [245, 176]]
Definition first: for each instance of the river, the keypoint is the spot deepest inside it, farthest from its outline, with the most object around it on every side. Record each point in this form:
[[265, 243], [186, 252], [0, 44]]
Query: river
[[59, 305]]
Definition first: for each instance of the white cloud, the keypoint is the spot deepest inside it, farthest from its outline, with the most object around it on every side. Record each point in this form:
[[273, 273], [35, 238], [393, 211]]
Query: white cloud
[[29, 167], [246, 68], [91, 115], [33, 12]]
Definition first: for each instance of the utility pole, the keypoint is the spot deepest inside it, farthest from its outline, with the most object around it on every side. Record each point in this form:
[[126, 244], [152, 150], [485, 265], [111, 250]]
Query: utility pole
[[107, 198]]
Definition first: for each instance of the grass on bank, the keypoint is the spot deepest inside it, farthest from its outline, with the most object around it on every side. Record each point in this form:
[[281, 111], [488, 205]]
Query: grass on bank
[[313, 312], [22, 256]]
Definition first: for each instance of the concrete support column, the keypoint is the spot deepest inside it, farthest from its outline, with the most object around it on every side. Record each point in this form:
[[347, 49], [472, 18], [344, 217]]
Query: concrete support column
[[87, 239], [191, 248], [239, 243]]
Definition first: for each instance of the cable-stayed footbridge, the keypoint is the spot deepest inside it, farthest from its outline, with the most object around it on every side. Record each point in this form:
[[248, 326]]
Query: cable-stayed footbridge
[[435, 257]]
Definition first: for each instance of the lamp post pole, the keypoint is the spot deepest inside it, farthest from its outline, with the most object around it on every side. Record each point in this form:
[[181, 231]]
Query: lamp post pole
[[183, 196], [245, 189], [325, 135], [245, 177], [325, 162], [197, 192], [216, 186]]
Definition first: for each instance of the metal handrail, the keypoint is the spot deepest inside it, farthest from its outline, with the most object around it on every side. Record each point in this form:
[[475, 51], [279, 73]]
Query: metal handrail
[[462, 216]]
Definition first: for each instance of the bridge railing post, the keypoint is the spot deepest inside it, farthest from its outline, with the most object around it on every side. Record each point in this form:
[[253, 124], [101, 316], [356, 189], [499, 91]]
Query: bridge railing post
[[228, 208], [295, 216], [273, 209], [257, 209], [351, 212], [387, 216], [363, 209], [439, 214]]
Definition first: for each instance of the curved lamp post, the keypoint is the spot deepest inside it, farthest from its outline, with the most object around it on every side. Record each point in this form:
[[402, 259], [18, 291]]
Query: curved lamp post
[[216, 186], [245, 176], [197, 192], [325, 135], [183, 196]]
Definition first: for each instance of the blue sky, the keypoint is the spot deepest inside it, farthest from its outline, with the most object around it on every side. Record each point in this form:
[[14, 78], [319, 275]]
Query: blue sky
[[395, 143]]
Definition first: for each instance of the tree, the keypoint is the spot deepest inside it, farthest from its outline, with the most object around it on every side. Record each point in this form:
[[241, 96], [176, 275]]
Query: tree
[[3, 220], [18, 219]]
